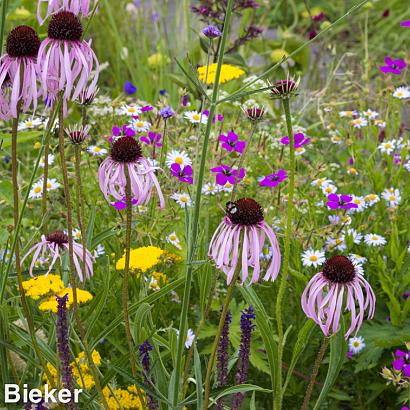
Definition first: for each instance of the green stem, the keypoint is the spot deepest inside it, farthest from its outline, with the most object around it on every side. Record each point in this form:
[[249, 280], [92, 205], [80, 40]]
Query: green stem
[[195, 224], [127, 269], [315, 372], [45, 179], [3, 23], [282, 286], [227, 301]]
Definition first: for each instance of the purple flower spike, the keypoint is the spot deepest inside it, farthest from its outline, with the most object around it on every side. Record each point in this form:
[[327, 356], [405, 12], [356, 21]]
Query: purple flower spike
[[152, 139], [231, 142], [222, 364], [393, 66], [211, 32], [225, 174], [299, 139], [340, 201], [273, 180], [144, 350], [183, 174]]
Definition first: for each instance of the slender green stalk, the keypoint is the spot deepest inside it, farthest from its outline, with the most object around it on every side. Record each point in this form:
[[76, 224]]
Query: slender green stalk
[[282, 286], [127, 270], [195, 223], [3, 23], [164, 148], [211, 362], [73, 274], [16, 199], [315, 372], [45, 180]]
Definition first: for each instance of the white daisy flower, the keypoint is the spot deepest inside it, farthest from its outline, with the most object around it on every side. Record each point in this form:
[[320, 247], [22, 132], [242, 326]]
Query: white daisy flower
[[51, 159], [140, 125], [401, 93], [29, 124], [175, 298], [336, 243], [321, 182], [153, 284], [380, 123], [52, 184], [183, 200], [173, 239], [131, 110], [373, 239], [99, 251], [209, 189], [371, 199], [392, 196], [228, 187], [360, 202], [358, 259], [190, 337], [299, 151], [76, 234], [96, 151], [357, 236], [142, 209], [352, 171], [336, 139], [196, 117], [356, 344], [348, 114], [359, 122], [387, 147], [36, 190], [266, 254], [178, 157], [370, 114], [329, 189], [313, 258]]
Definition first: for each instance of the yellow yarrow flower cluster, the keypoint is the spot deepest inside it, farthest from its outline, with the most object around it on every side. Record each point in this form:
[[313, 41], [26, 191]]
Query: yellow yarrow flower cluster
[[129, 398], [42, 286], [160, 277], [83, 296], [172, 257], [142, 259], [228, 72]]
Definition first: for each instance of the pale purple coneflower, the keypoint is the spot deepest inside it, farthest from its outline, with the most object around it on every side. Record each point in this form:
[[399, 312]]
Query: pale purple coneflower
[[338, 286], [126, 152], [53, 244], [18, 75], [244, 217], [74, 6], [65, 61]]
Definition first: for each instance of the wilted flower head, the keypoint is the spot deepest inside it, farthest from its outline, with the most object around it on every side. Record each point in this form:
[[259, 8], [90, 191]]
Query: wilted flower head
[[338, 287], [18, 77], [74, 6], [78, 133], [237, 243]]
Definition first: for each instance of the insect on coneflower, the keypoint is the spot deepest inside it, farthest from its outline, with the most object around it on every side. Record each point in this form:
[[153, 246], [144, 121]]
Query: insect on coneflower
[[126, 152], [242, 234], [18, 78], [74, 6], [53, 244], [338, 287], [65, 61]]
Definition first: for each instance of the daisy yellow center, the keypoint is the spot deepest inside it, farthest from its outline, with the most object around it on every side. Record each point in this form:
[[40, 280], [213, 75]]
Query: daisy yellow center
[[228, 185], [371, 197], [328, 189], [140, 124], [37, 189], [356, 344], [392, 198], [348, 113], [339, 241], [375, 238], [400, 93], [184, 199], [77, 234], [173, 237], [356, 201], [49, 185], [196, 117], [96, 149], [131, 109], [313, 258], [179, 160], [29, 124], [387, 145], [300, 149]]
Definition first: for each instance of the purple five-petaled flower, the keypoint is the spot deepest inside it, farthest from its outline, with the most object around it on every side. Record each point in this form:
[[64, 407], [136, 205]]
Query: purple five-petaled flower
[[273, 180], [152, 138], [183, 174], [402, 362], [393, 66], [122, 204], [124, 131], [405, 23], [231, 142], [299, 140], [225, 174], [335, 201], [218, 117]]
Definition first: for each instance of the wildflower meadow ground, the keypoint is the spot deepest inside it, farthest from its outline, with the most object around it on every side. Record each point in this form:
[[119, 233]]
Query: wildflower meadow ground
[[204, 204]]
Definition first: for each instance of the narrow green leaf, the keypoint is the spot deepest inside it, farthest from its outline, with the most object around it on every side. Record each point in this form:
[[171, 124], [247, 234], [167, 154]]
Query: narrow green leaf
[[241, 388], [198, 378]]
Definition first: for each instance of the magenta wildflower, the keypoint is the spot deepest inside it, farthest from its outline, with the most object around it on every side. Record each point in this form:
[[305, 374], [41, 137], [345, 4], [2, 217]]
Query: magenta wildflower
[[402, 362], [340, 201], [242, 366], [273, 180], [147, 108], [218, 117], [338, 287], [393, 66], [66, 62], [74, 6], [22, 48], [122, 204], [53, 244], [184, 174], [124, 131], [126, 152], [152, 139], [225, 174], [405, 23], [231, 142], [299, 140], [244, 227]]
